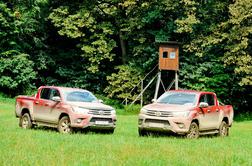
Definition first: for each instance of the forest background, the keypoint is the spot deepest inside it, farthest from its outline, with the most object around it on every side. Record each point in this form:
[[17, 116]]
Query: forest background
[[108, 46]]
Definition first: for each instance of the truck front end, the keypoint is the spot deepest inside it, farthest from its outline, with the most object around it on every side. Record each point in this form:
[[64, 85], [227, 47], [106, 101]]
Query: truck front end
[[164, 121], [93, 118]]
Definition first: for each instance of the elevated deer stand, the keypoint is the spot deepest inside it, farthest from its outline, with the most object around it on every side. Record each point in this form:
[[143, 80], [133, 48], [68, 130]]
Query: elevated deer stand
[[168, 60]]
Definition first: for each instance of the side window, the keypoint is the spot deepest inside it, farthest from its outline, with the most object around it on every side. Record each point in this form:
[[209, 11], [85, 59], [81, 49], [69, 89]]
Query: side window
[[45, 94], [203, 98], [54, 93], [210, 99]]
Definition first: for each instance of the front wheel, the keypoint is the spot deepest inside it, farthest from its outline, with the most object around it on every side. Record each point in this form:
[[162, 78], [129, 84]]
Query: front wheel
[[223, 130], [25, 121], [193, 131], [64, 125]]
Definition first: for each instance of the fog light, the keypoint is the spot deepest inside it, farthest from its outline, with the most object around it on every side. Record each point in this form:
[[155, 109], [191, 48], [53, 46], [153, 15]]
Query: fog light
[[140, 121], [181, 125], [79, 120]]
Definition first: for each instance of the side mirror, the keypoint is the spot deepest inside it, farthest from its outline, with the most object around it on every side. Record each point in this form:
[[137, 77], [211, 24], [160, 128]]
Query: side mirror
[[56, 98], [100, 101], [203, 105], [154, 100]]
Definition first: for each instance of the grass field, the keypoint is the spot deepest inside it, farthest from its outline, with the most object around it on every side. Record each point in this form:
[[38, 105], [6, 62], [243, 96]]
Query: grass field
[[47, 147]]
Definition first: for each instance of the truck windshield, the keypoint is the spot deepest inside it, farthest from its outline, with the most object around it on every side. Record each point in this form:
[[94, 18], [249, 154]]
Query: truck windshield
[[79, 96], [177, 98]]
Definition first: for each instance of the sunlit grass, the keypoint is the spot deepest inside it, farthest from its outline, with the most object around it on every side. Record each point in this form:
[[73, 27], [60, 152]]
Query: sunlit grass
[[41, 146]]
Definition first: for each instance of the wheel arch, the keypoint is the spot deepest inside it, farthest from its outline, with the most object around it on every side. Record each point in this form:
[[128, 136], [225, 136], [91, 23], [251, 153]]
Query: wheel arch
[[25, 110], [225, 119], [196, 121], [62, 115]]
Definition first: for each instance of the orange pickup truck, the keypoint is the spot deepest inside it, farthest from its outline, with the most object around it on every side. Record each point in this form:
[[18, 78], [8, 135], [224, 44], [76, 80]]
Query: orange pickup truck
[[65, 109], [190, 113]]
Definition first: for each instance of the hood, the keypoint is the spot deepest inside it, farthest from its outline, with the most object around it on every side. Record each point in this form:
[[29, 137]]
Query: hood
[[167, 107], [91, 105]]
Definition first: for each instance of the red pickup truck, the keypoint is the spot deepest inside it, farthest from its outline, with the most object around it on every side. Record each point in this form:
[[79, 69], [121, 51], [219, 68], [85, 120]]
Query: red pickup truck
[[65, 109], [190, 113]]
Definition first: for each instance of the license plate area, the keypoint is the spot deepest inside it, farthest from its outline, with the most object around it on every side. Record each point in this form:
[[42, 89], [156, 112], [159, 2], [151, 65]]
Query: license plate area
[[156, 125], [101, 122]]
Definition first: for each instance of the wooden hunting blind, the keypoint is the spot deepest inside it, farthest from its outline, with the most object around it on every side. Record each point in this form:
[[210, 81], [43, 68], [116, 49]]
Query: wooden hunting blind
[[169, 56], [169, 61]]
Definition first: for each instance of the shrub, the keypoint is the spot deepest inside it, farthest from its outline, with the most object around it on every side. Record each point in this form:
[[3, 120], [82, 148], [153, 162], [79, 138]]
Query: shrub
[[132, 109], [16, 72], [121, 83]]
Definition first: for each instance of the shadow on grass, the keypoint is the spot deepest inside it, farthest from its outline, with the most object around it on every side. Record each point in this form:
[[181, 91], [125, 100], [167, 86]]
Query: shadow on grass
[[75, 131], [154, 134]]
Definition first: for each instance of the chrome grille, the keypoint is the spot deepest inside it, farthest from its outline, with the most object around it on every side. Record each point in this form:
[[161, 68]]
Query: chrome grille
[[100, 112], [159, 113]]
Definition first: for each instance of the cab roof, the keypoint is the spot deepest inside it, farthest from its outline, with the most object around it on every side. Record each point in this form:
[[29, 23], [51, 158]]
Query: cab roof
[[190, 91]]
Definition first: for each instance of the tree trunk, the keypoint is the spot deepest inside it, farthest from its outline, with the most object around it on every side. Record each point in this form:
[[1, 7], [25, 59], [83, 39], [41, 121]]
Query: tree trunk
[[123, 47]]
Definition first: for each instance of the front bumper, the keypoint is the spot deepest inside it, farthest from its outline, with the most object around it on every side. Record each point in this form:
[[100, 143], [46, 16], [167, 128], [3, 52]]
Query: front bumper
[[93, 121], [179, 125]]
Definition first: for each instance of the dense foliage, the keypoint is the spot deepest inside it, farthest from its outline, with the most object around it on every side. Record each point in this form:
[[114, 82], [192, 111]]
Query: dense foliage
[[107, 46]]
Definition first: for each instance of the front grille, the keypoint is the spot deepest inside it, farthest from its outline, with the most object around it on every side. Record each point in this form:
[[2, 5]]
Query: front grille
[[100, 112], [101, 119], [165, 122], [159, 113]]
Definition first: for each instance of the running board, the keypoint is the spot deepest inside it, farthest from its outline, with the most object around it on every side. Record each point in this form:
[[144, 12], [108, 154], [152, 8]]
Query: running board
[[46, 124], [209, 132]]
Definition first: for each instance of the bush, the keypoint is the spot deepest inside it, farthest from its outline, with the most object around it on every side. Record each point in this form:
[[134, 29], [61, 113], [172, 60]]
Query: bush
[[132, 109], [114, 103], [16, 73], [121, 83], [244, 116]]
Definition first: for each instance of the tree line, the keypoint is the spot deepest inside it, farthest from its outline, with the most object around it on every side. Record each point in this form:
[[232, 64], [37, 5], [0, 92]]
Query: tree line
[[107, 46]]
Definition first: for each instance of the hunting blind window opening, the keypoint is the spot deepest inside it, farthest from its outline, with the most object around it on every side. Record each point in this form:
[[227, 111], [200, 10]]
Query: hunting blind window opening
[[172, 55], [165, 54]]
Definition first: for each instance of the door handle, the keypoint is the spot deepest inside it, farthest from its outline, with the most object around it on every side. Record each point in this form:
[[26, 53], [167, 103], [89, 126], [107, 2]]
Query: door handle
[[46, 104], [36, 102], [217, 110], [208, 111]]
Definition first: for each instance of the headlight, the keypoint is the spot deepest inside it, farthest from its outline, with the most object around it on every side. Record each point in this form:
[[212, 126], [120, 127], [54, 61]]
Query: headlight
[[113, 112], [80, 110], [143, 111], [181, 114]]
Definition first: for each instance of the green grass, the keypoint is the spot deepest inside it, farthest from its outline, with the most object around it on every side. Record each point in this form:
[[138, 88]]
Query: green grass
[[47, 147]]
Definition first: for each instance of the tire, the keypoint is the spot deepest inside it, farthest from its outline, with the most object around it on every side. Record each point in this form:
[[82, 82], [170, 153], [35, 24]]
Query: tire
[[25, 121], [223, 130], [193, 132], [64, 125], [142, 133]]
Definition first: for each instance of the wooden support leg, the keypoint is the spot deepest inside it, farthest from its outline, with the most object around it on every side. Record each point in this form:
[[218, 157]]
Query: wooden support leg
[[157, 85], [176, 80]]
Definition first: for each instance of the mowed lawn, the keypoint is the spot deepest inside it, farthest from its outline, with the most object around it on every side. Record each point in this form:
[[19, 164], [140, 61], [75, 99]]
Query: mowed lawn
[[47, 147]]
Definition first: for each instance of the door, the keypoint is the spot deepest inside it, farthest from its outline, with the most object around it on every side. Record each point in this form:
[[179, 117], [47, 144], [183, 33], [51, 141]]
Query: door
[[45, 109], [208, 118]]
